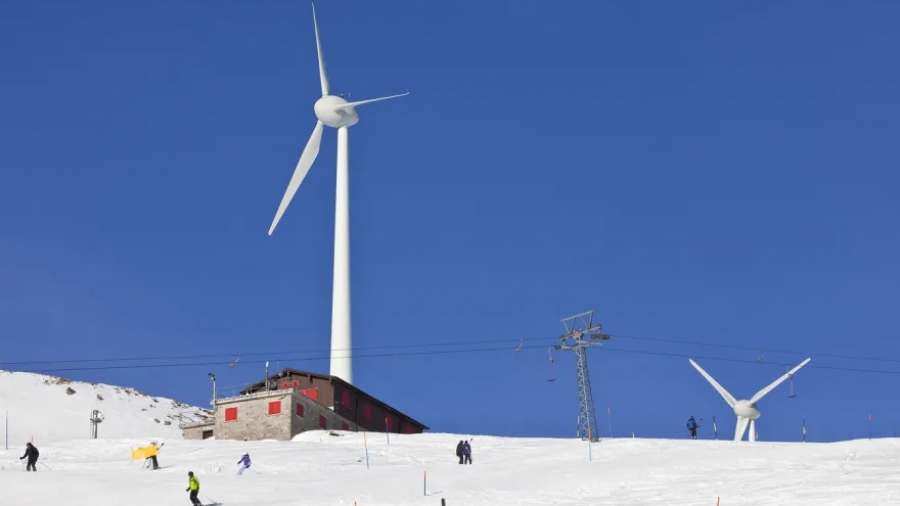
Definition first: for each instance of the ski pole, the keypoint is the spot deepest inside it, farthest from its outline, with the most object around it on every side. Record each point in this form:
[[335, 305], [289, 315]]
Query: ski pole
[[45, 465]]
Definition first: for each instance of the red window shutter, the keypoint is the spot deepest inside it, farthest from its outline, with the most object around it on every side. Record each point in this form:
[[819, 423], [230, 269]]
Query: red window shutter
[[345, 399], [230, 414], [322, 421], [312, 393], [367, 411], [285, 384], [275, 408], [300, 410], [296, 384], [345, 426]]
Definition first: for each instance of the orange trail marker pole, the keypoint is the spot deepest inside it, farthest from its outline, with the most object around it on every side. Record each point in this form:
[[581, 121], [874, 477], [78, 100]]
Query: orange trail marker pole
[[424, 483], [366, 443], [717, 501]]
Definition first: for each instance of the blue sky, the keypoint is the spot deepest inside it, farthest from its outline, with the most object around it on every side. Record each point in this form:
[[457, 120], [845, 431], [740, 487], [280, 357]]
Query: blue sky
[[693, 171]]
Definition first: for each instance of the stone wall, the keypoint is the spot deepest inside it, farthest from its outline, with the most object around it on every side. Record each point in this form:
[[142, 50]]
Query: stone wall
[[197, 430], [312, 411], [253, 419], [298, 414]]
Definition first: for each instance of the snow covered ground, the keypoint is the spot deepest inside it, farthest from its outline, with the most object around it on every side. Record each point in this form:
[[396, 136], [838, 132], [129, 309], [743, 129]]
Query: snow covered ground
[[52, 410], [318, 469]]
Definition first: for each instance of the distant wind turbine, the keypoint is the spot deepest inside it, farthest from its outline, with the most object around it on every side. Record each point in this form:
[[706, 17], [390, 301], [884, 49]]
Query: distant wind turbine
[[746, 410], [335, 112]]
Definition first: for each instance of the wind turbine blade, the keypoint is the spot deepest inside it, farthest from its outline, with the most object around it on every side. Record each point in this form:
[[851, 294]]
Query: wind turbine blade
[[361, 102], [322, 76], [724, 393], [306, 160], [740, 428], [762, 393]]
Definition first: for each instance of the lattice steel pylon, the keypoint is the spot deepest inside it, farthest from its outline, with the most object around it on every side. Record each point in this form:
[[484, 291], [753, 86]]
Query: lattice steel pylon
[[575, 339]]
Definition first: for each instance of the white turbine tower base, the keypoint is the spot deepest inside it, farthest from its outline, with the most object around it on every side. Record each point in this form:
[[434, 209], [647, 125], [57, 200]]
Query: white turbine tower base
[[335, 112], [746, 410]]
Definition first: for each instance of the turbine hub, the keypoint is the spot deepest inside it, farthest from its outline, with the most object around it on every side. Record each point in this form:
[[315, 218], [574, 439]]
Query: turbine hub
[[330, 114], [744, 409]]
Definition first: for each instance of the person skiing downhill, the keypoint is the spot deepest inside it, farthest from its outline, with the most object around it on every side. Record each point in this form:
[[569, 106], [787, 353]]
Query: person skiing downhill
[[245, 460], [32, 453], [193, 488], [692, 426]]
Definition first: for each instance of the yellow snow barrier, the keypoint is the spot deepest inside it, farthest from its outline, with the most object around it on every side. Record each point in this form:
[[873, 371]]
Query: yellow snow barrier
[[144, 453]]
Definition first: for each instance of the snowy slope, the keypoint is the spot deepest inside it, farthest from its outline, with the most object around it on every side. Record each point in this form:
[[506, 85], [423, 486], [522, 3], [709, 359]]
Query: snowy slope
[[321, 470], [52, 410]]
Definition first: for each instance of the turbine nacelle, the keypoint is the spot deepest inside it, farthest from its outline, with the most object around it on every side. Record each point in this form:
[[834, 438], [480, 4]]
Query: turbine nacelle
[[744, 409], [335, 112]]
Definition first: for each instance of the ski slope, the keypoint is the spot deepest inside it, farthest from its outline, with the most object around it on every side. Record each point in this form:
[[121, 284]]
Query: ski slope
[[318, 469], [51, 409]]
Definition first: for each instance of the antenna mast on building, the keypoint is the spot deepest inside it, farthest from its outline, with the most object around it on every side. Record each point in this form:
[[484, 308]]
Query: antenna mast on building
[[581, 333]]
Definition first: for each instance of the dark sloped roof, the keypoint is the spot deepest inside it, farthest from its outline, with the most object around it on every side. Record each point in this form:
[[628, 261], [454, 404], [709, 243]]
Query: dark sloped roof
[[290, 370]]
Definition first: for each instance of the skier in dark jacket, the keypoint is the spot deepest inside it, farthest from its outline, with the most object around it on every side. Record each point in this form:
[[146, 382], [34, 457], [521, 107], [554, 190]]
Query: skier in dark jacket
[[32, 453], [467, 453], [692, 426], [459, 451]]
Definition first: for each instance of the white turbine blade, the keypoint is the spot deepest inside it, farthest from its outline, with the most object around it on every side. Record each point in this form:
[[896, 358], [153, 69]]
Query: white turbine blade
[[306, 160], [322, 76], [361, 102], [740, 428], [724, 393], [762, 393]]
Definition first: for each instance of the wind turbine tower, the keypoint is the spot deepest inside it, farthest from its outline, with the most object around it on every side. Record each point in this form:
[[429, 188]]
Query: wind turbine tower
[[746, 410], [335, 112]]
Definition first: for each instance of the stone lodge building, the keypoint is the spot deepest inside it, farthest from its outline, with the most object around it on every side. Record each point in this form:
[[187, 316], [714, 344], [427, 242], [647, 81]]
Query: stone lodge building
[[293, 401]]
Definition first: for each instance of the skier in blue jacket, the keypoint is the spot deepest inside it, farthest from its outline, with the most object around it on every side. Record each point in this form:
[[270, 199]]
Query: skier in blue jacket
[[245, 460], [692, 426]]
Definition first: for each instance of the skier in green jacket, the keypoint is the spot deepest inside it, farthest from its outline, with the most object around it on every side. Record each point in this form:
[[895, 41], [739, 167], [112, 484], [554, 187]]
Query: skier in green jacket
[[194, 488]]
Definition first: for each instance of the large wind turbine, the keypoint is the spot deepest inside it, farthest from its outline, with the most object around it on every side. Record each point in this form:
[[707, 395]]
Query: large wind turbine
[[335, 112], [746, 410]]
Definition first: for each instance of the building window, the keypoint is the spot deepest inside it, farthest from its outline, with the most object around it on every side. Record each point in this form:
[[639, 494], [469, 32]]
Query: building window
[[345, 399], [285, 384], [296, 384], [322, 421], [275, 408], [312, 393], [300, 410], [230, 414], [367, 411], [345, 426]]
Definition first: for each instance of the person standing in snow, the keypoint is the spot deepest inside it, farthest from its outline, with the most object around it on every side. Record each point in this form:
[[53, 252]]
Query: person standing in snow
[[459, 451], [32, 453], [467, 452], [692, 426], [245, 460], [193, 488], [152, 458]]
